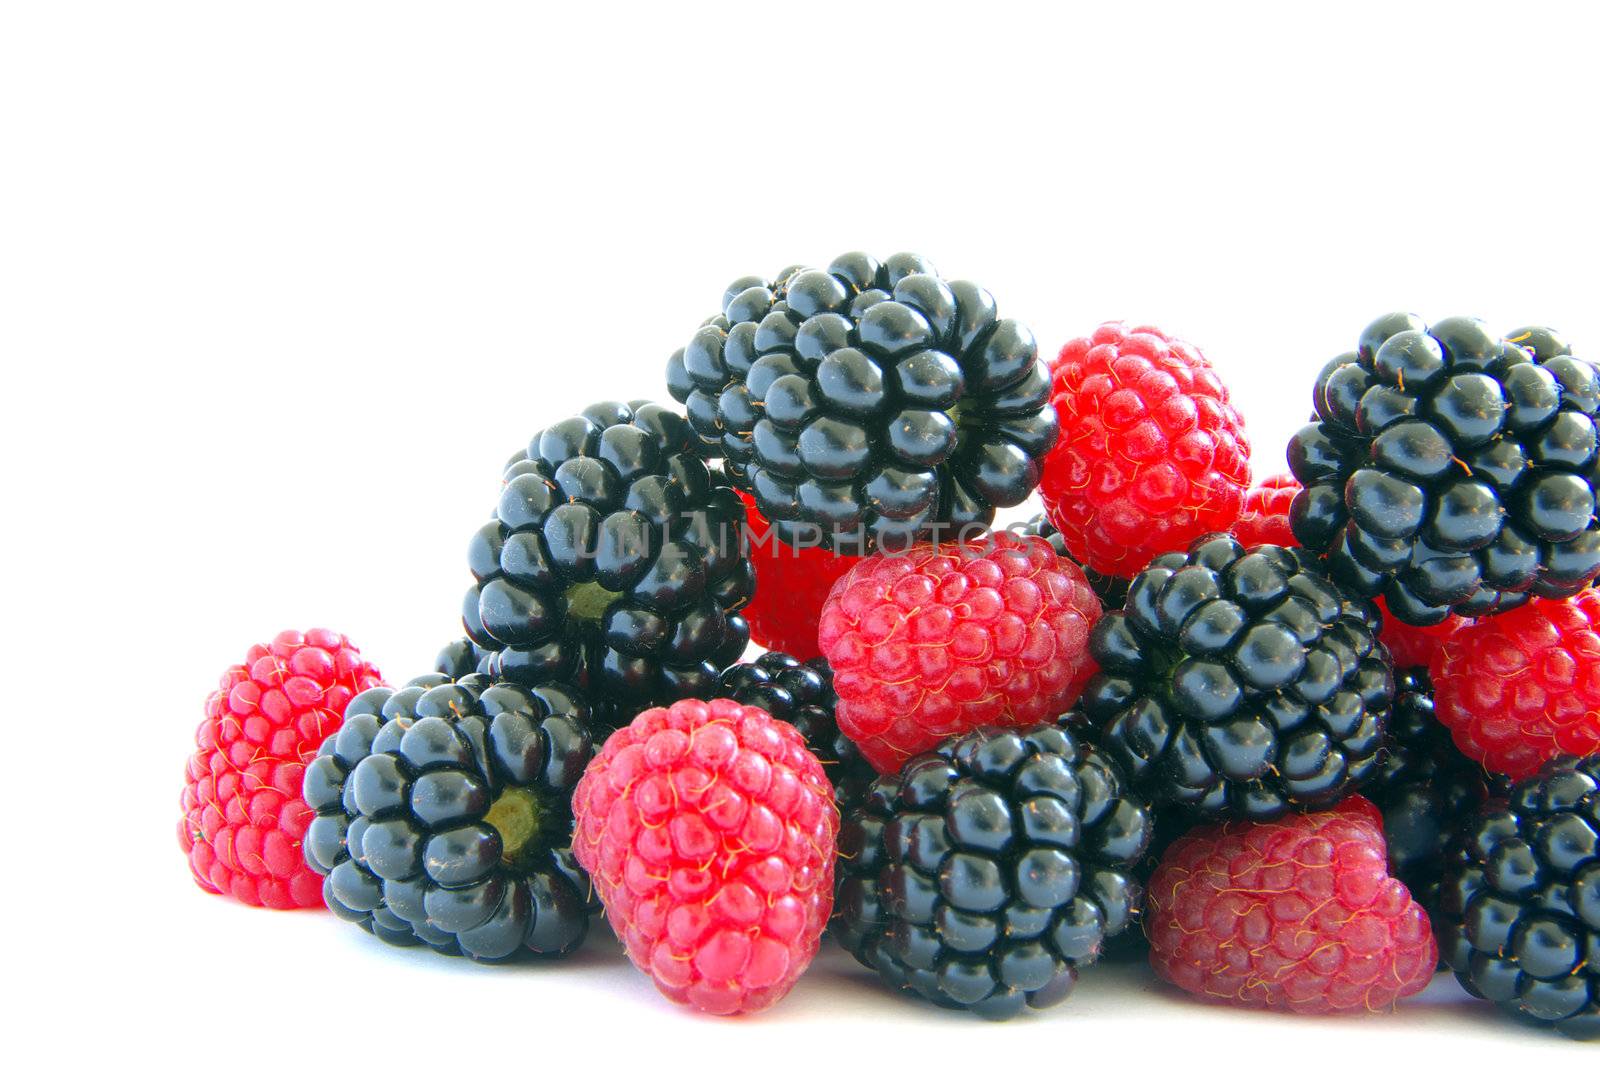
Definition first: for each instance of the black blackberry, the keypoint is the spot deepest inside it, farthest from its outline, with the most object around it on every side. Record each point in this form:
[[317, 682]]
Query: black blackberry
[[1168, 824], [1519, 907], [1450, 470], [614, 562], [868, 403], [1424, 786], [1240, 683], [801, 693], [1112, 590], [984, 874], [443, 815]]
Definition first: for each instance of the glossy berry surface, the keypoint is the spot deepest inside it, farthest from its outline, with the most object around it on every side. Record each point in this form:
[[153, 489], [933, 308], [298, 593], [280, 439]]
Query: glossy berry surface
[[801, 693], [792, 583], [243, 819], [1265, 517], [1240, 683], [1152, 454], [984, 874], [710, 831], [1450, 470], [614, 562], [931, 643], [868, 404], [459, 658], [1520, 908], [1111, 590], [1521, 688], [443, 816], [1424, 786], [1299, 914]]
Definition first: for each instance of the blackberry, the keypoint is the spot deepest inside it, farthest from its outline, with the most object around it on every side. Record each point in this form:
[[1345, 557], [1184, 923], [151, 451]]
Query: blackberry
[[1168, 824], [1519, 906], [1450, 470], [984, 874], [615, 562], [801, 693], [1112, 590], [1425, 788], [1240, 683], [870, 403], [444, 815]]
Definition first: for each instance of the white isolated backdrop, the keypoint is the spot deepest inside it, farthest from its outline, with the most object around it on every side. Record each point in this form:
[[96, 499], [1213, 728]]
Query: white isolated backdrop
[[282, 285]]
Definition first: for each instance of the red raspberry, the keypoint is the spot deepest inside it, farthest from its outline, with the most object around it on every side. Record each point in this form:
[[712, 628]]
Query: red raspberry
[[1265, 518], [1299, 914], [243, 817], [709, 831], [1414, 646], [1523, 687], [942, 639], [1151, 453], [791, 586]]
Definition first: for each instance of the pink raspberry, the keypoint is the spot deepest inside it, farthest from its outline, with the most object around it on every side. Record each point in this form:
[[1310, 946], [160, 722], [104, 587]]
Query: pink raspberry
[[945, 638], [709, 832], [1265, 518]]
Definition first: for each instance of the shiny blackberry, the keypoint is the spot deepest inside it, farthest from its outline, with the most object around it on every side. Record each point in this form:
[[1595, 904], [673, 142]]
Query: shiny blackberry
[[615, 562], [444, 816], [1112, 590], [869, 403], [1519, 909], [801, 693], [1240, 683], [983, 875], [1425, 788], [459, 658], [1450, 470]]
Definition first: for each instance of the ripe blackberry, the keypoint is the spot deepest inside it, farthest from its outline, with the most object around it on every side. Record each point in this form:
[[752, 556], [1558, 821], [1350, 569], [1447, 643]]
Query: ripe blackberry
[[1240, 683], [459, 658], [1425, 788], [984, 874], [801, 693], [1450, 470], [444, 815], [870, 403], [1112, 590], [614, 562], [1520, 903]]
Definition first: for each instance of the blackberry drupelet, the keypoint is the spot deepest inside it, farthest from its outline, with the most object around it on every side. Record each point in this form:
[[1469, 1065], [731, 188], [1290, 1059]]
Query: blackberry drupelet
[[444, 815], [1240, 683], [1450, 470], [1112, 590], [459, 658], [615, 562], [868, 404], [984, 874], [1519, 912], [801, 693], [1425, 788]]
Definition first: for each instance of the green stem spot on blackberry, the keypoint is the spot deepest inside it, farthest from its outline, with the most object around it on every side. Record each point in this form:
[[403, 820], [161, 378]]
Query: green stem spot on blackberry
[[518, 815], [587, 602]]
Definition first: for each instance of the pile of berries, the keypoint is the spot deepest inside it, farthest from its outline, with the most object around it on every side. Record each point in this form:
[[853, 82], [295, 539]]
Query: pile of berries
[[1302, 740]]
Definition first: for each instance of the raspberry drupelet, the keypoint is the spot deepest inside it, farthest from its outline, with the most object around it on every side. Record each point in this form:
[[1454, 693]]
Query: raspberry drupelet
[[791, 585], [243, 819], [945, 638], [709, 832]]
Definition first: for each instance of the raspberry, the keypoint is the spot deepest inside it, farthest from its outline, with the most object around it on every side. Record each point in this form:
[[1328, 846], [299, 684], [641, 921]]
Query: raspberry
[[1521, 688], [709, 831], [1413, 646], [792, 583], [1299, 914], [243, 819], [1266, 513], [931, 643], [1151, 454]]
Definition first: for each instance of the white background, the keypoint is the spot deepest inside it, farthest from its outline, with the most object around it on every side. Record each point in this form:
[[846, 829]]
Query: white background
[[281, 285]]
